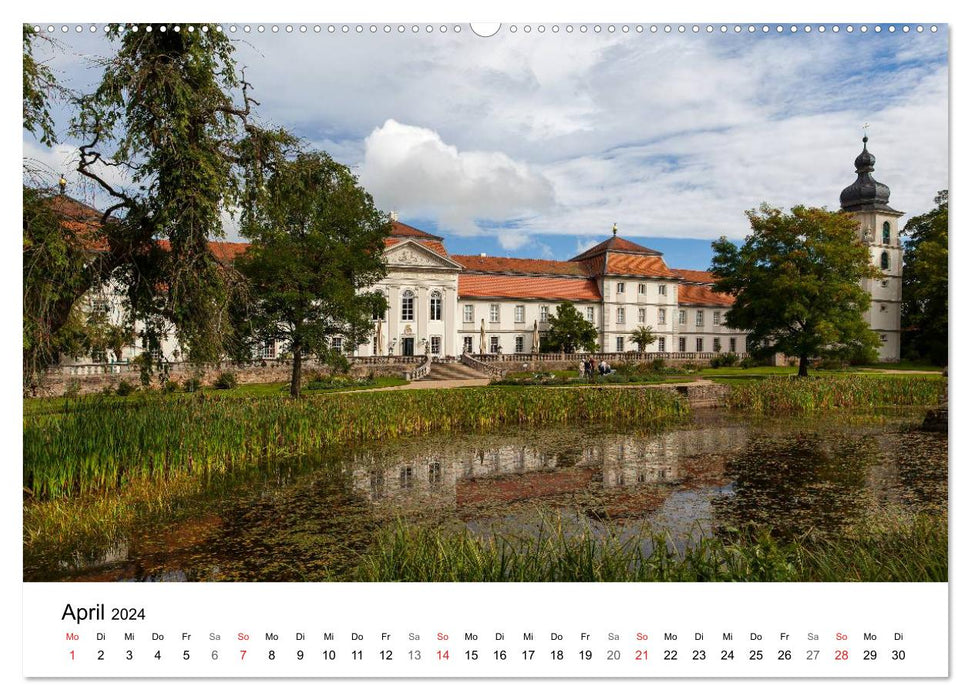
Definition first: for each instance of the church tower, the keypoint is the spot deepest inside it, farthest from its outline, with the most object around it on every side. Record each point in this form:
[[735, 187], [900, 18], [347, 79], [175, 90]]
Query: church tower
[[867, 201]]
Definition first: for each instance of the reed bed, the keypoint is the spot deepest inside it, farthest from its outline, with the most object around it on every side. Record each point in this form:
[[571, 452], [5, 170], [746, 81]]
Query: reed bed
[[95, 445], [908, 548], [809, 394]]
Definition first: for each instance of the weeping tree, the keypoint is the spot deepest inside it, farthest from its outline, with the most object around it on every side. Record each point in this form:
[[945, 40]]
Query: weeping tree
[[316, 247], [168, 140]]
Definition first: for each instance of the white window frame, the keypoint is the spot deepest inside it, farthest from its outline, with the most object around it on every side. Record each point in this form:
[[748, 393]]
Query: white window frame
[[467, 344], [520, 344], [436, 345], [642, 315], [520, 316], [621, 315], [337, 343], [682, 317], [642, 289], [407, 305], [544, 314], [620, 343], [494, 344], [267, 350], [662, 317], [699, 344], [590, 314], [716, 318], [493, 313], [699, 319], [435, 306], [682, 344], [716, 344], [620, 287], [660, 344], [468, 313], [662, 289]]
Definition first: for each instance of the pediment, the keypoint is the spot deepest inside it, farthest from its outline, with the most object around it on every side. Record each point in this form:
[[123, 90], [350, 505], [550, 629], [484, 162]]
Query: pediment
[[412, 254]]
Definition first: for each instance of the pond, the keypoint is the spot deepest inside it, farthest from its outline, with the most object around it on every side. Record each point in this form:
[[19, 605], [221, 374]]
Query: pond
[[313, 518]]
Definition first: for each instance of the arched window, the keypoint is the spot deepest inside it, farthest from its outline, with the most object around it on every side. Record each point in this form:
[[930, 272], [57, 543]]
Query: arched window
[[886, 233], [435, 309], [884, 260], [408, 305]]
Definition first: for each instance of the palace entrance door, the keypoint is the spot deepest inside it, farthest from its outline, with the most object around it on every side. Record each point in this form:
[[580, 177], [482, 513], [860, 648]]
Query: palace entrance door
[[407, 346]]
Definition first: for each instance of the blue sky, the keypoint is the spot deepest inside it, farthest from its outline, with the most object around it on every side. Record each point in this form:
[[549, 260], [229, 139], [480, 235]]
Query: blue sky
[[534, 144]]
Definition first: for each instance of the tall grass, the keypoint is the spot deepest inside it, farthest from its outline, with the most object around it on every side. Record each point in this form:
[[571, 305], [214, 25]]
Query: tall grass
[[909, 548], [807, 394], [96, 444]]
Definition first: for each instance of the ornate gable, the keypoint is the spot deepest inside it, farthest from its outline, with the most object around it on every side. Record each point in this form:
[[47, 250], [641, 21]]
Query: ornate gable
[[412, 254]]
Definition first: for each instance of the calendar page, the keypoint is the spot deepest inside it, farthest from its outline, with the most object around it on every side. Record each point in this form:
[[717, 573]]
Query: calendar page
[[414, 348]]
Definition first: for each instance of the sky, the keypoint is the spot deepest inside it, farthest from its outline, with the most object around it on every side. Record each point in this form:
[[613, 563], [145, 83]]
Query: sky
[[533, 144]]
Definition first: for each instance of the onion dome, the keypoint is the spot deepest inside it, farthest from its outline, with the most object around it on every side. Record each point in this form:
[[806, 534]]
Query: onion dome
[[866, 193]]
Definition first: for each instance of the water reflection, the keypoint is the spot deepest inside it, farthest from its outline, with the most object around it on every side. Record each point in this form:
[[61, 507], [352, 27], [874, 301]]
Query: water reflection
[[312, 518]]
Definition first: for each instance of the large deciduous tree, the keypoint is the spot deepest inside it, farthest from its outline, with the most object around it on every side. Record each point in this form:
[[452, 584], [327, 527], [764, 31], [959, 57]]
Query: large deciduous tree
[[796, 281], [169, 142], [924, 310], [569, 331], [316, 246]]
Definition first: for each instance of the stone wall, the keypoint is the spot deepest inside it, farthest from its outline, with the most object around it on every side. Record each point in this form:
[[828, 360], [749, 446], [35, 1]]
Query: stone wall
[[91, 379]]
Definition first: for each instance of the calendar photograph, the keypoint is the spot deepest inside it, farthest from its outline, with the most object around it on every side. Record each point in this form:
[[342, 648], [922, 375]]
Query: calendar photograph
[[485, 303]]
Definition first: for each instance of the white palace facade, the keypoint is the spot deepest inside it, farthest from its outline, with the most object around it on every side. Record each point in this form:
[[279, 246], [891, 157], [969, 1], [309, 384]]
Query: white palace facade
[[444, 305]]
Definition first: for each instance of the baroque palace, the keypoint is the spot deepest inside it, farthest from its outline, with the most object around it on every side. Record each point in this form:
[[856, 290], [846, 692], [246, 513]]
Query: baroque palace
[[446, 305]]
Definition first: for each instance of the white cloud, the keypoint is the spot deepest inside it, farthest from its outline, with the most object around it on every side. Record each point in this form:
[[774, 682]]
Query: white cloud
[[411, 169], [512, 240]]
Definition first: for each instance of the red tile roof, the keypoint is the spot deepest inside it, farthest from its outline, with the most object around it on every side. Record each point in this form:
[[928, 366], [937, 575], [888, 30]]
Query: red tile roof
[[702, 295], [223, 251], [697, 276], [527, 287], [615, 243], [640, 265], [405, 231], [519, 266]]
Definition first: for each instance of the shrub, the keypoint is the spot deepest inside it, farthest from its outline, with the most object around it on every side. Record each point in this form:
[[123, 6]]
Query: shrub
[[725, 359], [73, 389], [749, 362], [124, 388], [226, 380], [170, 387], [657, 364], [192, 384]]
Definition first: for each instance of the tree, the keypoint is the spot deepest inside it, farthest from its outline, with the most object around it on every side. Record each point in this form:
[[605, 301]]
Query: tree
[[924, 310], [570, 331], [642, 337], [173, 115], [796, 282], [39, 83], [317, 242]]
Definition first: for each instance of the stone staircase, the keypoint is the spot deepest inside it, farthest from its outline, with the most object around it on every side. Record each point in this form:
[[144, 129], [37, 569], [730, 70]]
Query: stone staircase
[[452, 371]]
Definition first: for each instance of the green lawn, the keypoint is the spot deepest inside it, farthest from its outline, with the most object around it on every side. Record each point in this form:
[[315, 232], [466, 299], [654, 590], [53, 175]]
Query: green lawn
[[739, 375]]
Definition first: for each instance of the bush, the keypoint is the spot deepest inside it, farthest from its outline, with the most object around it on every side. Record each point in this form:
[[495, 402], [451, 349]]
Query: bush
[[749, 362], [73, 389], [124, 388], [170, 387], [725, 359], [657, 364], [192, 384], [226, 380]]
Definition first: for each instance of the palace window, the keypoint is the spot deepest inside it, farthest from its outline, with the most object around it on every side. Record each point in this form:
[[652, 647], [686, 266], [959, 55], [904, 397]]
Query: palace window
[[662, 289], [520, 314], [405, 477], [682, 344], [337, 343], [731, 344], [494, 344], [544, 314], [699, 318], [267, 350], [620, 314], [716, 318], [660, 345], [436, 344], [642, 289], [520, 344], [886, 233], [620, 343], [435, 309], [467, 313], [620, 287], [493, 313], [467, 344], [682, 317], [662, 317], [699, 344], [884, 260], [642, 315], [716, 344], [408, 305], [590, 314]]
